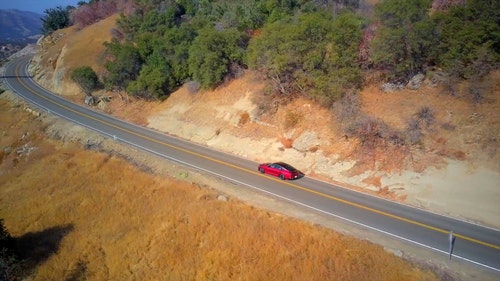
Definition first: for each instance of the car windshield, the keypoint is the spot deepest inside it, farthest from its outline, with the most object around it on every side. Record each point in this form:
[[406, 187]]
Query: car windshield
[[288, 167]]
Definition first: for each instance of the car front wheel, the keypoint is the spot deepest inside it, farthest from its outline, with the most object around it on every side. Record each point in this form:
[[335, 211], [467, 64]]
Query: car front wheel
[[261, 170], [282, 177]]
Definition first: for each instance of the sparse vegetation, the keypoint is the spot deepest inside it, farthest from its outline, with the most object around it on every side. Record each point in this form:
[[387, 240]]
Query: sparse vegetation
[[291, 119], [370, 131], [244, 118], [348, 108], [423, 118], [414, 131], [425, 115]]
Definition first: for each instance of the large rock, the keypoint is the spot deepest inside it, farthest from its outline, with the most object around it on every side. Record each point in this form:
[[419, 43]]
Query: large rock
[[306, 141], [416, 82], [391, 87]]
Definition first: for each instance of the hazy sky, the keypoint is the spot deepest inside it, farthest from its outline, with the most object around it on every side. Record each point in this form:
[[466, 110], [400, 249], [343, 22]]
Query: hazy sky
[[37, 6]]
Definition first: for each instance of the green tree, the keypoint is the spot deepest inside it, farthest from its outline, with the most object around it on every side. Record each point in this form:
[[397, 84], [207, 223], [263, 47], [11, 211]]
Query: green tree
[[314, 55], [156, 20], [403, 38], [153, 16], [278, 9], [166, 62], [242, 15], [54, 19], [213, 52], [124, 65], [177, 42], [469, 38], [86, 78], [155, 79]]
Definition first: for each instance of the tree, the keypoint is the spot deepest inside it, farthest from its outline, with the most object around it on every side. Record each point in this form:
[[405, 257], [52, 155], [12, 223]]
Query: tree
[[123, 66], [86, 78], [55, 18], [469, 38], [152, 16], [154, 81], [404, 37], [213, 52], [313, 55], [166, 62]]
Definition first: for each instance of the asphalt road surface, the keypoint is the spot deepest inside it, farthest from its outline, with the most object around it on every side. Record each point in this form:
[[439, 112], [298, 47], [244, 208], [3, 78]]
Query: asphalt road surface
[[467, 241]]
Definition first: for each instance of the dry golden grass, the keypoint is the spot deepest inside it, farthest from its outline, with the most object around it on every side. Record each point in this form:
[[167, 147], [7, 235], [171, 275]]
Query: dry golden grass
[[117, 222], [82, 47]]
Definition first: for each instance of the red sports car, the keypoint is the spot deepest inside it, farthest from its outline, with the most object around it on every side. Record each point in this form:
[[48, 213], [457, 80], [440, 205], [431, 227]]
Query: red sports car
[[281, 170]]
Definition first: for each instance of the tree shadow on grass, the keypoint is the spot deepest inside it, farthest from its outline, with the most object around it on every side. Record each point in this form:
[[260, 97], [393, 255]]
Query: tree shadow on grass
[[34, 248]]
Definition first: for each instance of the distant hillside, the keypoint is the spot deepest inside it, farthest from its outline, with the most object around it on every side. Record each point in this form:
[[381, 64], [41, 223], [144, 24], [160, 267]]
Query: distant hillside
[[18, 27]]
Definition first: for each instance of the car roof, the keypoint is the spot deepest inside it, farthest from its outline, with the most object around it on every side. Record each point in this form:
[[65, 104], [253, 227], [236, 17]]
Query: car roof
[[286, 166]]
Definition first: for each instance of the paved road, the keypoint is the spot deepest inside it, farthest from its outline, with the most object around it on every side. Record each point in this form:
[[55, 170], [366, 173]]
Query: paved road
[[470, 242]]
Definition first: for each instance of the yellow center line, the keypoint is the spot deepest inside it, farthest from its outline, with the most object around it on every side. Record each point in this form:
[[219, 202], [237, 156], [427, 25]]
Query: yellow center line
[[440, 230]]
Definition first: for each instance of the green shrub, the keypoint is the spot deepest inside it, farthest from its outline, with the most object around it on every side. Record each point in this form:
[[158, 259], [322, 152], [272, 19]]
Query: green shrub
[[86, 78], [213, 52], [55, 18]]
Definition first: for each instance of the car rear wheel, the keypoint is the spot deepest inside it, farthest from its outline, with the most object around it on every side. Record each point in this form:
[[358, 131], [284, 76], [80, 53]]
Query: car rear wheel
[[261, 170], [282, 176]]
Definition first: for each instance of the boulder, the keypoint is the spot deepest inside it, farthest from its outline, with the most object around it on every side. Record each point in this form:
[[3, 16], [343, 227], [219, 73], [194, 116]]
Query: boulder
[[416, 82], [306, 141]]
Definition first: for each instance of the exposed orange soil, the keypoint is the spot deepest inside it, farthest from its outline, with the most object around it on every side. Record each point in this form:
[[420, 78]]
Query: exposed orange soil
[[474, 136]]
